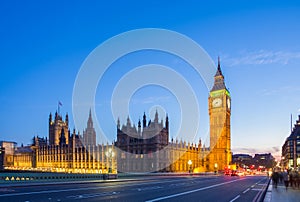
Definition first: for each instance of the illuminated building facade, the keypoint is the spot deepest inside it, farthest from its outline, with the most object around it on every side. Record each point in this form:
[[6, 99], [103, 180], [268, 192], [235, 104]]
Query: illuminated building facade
[[7, 150], [147, 147], [291, 148], [219, 102], [89, 134], [23, 158], [2, 155], [66, 152], [56, 127]]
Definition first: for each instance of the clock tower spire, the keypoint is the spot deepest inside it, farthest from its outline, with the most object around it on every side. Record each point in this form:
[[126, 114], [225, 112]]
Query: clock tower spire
[[219, 115], [219, 83]]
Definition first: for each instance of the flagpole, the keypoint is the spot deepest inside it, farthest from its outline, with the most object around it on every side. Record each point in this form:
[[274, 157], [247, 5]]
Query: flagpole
[[58, 108]]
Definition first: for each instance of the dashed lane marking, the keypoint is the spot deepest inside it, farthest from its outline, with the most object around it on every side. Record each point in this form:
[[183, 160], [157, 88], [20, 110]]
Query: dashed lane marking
[[84, 196], [6, 190], [246, 190], [238, 196], [148, 188]]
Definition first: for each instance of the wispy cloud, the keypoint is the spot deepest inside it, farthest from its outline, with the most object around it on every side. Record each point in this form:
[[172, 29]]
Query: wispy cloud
[[261, 57], [281, 90]]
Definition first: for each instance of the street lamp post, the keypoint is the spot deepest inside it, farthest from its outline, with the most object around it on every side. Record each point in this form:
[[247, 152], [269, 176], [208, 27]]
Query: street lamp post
[[216, 168], [190, 165]]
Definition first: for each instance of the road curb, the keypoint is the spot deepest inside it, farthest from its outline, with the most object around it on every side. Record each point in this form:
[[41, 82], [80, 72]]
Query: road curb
[[268, 195], [261, 195]]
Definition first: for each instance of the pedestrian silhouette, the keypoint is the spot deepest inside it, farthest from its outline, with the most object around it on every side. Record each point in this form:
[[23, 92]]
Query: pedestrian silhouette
[[285, 176], [275, 178]]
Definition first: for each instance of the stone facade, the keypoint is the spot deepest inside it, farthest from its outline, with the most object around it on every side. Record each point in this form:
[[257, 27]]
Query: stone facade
[[56, 127], [219, 102], [291, 148], [147, 148], [66, 152], [89, 134]]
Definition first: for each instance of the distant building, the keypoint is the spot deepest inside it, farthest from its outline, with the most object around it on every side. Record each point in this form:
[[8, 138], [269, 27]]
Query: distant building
[[264, 161], [65, 151], [9, 151], [258, 162], [2, 155], [291, 148], [242, 160]]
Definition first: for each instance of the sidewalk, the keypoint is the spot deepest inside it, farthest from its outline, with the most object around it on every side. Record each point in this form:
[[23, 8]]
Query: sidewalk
[[280, 194]]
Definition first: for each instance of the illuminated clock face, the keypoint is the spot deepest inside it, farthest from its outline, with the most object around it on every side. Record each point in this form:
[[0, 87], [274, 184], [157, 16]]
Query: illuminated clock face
[[217, 102], [228, 103]]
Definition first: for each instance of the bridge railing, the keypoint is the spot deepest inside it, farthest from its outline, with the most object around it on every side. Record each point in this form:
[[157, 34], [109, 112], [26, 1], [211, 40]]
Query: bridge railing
[[22, 177]]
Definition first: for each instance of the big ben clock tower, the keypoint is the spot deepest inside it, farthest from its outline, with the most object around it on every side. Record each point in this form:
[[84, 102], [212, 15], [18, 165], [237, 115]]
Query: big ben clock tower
[[219, 112]]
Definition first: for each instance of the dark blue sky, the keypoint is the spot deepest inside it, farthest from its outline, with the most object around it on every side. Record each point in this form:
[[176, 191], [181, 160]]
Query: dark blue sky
[[44, 44]]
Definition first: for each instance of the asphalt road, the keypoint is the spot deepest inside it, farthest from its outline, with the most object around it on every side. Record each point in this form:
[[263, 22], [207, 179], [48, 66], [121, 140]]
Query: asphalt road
[[189, 188]]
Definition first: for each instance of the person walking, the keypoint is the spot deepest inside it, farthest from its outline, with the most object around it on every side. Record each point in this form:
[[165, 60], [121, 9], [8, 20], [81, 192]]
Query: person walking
[[285, 177], [280, 177], [275, 178]]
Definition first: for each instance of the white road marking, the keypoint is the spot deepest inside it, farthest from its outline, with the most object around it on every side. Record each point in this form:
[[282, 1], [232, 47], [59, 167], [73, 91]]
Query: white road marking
[[256, 189], [148, 188], [246, 190], [84, 196], [177, 184], [6, 190], [238, 196], [192, 191]]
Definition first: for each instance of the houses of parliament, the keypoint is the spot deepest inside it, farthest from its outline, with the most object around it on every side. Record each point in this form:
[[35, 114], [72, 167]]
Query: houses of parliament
[[145, 148], [64, 151]]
